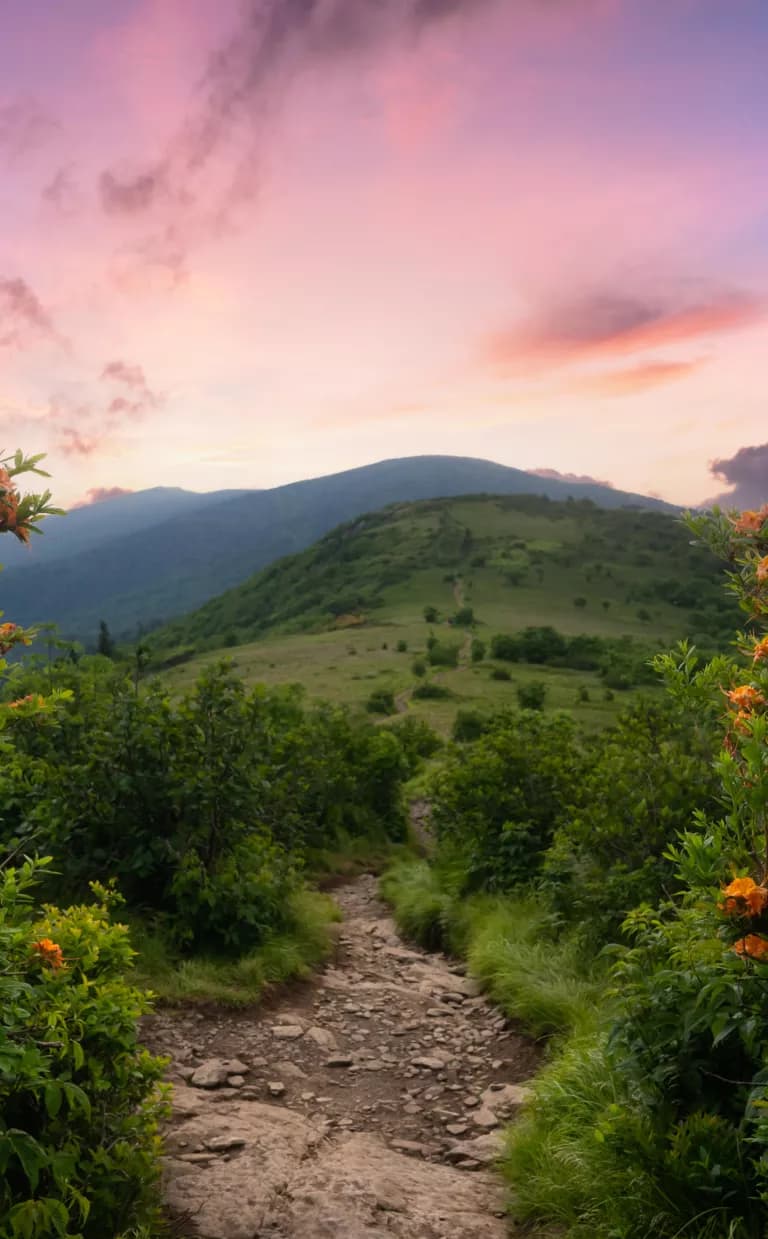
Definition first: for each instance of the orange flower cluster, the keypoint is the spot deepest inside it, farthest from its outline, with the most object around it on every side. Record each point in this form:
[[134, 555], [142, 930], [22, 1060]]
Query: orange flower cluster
[[760, 650], [30, 699], [743, 897], [10, 522], [11, 634], [750, 521], [761, 570], [745, 697], [753, 946], [49, 953]]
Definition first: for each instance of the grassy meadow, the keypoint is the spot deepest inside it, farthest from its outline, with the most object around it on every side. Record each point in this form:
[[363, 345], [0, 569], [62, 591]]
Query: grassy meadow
[[346, 618]]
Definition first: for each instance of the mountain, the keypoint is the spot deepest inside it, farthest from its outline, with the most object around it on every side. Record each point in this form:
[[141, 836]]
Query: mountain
[[144, 558], [353, 614]]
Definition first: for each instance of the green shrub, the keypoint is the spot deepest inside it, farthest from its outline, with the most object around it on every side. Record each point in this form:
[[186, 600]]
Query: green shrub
[[431, 614], [498, 802], [469, 725], [532, 696], [419, 667], [431, 692], [500, 673], [402, 647], [477, 650], [78, 1096], [381, 701], [443, 655], [464, 617], [417, 740]]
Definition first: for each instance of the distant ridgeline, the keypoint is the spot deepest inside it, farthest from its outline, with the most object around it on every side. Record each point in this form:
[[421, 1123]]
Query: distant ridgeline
[[527, 558], [139, 560]]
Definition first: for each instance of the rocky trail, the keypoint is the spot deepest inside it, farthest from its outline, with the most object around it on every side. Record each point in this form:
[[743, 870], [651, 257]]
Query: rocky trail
[[367, 1103]]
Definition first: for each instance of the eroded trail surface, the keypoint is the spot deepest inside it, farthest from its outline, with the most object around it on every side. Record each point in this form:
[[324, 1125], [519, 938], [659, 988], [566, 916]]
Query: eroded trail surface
[[367, 1104]]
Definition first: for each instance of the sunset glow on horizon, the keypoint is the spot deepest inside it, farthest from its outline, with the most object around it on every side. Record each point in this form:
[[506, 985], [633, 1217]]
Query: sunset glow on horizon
[[244, 243]]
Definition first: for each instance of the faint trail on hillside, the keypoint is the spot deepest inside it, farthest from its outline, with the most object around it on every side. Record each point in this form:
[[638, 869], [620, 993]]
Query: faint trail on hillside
[[353, 1108]]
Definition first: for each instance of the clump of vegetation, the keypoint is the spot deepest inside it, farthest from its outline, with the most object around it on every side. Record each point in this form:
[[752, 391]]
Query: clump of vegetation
[[532, 696], [78, 1096], [381, 701], [429, 691], [648, 1118]]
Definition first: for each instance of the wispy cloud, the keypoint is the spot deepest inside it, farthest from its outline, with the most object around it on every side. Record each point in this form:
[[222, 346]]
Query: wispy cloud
[[571, 477], [608, 324], [24, 319], [24, 127], [100, 494], [83, 426], [634, 380]]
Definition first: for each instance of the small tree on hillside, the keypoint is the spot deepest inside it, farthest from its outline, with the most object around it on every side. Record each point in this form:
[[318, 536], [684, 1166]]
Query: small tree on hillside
[[105, 643]]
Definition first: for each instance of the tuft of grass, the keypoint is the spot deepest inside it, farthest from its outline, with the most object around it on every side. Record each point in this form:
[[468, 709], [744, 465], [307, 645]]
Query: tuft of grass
[[423, 909], [287, 956], [559, 1170], [510, 945], [511, 949]]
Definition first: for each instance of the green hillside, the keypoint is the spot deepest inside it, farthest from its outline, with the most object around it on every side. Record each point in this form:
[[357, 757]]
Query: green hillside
[[347, 617], [140, 560]]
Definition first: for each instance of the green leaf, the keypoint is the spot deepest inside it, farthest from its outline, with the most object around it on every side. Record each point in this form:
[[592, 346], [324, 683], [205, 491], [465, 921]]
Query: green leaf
[[53, 1098]]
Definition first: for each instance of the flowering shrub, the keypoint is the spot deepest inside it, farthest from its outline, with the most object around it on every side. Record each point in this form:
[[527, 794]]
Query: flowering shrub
[[79, 1101], [691, 1043], [78, 1096]]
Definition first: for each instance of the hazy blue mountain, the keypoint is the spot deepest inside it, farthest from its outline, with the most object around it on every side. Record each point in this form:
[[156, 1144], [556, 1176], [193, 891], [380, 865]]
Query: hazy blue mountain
[[128, 569], [84, 528]]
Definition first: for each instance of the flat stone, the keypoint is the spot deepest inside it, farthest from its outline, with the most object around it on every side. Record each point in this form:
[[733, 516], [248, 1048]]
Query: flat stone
[[485, 1118], [339, 1060], [223, 1144], [276, 1088], [215, 1072], [288, 1032], [322, 1037], [429, 1062], [235, 1081]]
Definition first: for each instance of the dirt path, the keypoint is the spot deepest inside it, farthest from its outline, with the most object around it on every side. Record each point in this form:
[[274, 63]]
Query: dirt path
[[353, 1109]]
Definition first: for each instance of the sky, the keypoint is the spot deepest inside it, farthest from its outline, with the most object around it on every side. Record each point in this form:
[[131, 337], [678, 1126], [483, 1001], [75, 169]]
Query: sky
[[244, 242]]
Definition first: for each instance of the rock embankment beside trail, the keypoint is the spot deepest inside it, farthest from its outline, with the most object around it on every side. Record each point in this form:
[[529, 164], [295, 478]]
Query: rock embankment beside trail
[[368, 1103]]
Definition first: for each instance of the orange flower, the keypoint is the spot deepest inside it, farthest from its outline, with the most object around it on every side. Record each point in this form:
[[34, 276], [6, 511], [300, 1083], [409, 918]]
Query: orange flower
[[761, 569], [744, 898], [750, 521], [25, 701], [745, 697], [756, 900], [49, 953], [753, 946], [760, 650], [739, 888]]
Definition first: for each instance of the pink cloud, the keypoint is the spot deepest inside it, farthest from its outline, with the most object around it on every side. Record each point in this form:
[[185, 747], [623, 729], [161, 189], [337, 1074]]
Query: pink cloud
[[610, 324], [100, 494], [637, 379]]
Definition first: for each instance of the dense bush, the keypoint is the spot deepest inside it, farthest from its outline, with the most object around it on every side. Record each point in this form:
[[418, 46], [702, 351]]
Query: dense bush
[[643, 780], [499, 802], [428, 691], [78, 1096], [381, 701], [622, 664], [201, 808], [440, 654], [79, 1103]]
